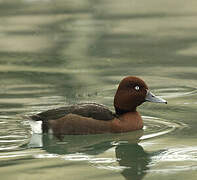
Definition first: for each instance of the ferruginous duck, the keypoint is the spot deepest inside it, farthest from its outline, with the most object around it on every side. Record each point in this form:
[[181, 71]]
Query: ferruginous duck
[[92, 118]]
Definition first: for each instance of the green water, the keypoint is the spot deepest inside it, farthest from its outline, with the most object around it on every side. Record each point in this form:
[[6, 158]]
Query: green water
[[60, 52]]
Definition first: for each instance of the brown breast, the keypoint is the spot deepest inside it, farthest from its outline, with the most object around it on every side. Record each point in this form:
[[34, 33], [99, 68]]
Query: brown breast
[[130, 121]]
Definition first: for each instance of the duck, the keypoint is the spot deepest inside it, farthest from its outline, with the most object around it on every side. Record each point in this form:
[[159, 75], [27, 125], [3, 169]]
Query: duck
[[93, 118]]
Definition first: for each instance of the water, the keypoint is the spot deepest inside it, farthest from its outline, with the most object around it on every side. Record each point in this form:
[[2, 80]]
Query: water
[[54, 53]]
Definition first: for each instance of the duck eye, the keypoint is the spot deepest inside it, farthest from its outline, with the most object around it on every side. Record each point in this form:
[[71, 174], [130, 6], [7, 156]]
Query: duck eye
[[137, 88]]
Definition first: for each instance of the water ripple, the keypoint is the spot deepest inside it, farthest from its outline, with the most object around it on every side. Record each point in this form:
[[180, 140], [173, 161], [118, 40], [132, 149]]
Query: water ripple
[[174, 160], [155, 127], [12, 133], [176, 92], [177, 154]]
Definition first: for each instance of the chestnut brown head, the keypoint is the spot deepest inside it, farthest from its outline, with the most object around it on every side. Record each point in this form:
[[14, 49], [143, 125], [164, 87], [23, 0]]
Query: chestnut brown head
[[132, 92]]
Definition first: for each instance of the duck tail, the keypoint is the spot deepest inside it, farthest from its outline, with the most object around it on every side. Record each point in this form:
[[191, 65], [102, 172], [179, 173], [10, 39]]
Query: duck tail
[[36, 125]]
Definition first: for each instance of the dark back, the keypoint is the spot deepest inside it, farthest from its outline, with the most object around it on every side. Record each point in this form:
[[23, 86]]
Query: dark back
[[92, 110]]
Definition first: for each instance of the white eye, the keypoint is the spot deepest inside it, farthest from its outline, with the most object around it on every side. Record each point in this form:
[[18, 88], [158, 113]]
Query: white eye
[[137, 88]]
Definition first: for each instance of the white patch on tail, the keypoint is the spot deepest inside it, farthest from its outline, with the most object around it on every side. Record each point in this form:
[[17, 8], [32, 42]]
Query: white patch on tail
[[36, 126]]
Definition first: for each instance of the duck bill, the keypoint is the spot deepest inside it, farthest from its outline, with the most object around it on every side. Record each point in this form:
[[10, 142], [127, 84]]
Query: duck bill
[[152, 98]]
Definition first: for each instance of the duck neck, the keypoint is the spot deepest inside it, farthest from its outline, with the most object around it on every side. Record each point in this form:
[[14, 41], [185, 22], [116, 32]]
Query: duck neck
[[120, 112]]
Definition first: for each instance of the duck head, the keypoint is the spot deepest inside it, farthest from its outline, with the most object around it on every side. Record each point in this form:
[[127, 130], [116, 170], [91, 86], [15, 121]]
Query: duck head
[[132, 92]]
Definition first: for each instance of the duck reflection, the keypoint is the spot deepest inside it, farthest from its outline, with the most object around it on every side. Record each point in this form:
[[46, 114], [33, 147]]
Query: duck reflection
[[135, 159], [127, 151], [89, 144]]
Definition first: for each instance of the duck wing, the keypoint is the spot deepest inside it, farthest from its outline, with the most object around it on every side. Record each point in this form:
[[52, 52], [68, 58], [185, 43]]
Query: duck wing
[[91, 110]]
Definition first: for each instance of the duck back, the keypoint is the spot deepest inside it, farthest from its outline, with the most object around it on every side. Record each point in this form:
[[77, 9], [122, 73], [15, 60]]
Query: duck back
[[92, 110]]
